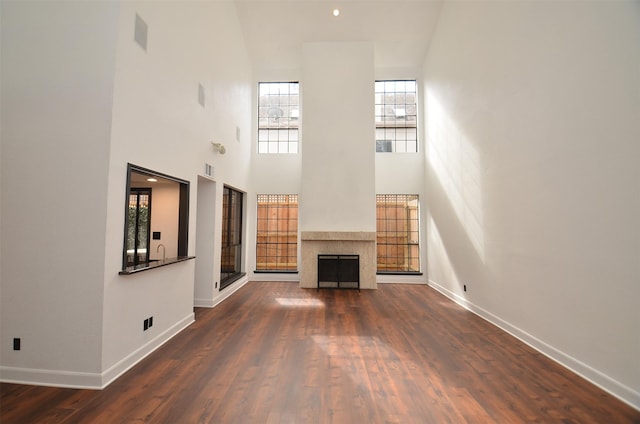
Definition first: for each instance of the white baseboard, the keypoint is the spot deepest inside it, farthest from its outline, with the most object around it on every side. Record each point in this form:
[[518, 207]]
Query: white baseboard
[[138, 355], [52, 378], [80, 380], [401, 279], [274, 276], [98, 381], [228, 291], [606, 383]]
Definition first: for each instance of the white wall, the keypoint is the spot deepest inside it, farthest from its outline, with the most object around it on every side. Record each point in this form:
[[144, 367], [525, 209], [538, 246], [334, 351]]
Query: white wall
[[58, 62], [80, 100], [204, 285], [338, 157], [532, 114], [159, 124]]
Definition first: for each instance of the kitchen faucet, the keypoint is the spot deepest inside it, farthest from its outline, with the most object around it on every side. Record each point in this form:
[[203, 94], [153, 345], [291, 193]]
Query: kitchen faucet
[[163, 251]]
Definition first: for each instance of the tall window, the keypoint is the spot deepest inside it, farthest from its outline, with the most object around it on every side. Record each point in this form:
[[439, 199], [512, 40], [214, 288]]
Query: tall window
[[277, 238], [278, 113], [396, 116], [398, 237], [231, 261]]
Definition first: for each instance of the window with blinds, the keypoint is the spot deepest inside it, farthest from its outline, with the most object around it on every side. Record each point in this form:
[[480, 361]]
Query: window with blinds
[[277, 233], [397, 233]]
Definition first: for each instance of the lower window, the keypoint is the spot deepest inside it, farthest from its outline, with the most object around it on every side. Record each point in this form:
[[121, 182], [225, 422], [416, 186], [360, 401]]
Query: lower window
[[277, 233], [397, 233]]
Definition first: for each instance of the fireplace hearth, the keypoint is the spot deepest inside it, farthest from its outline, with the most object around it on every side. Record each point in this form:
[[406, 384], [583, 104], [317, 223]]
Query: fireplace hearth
[[339, 243]]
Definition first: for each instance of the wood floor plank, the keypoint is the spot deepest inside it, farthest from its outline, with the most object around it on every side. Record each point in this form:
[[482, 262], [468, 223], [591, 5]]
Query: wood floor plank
[[275, 353]]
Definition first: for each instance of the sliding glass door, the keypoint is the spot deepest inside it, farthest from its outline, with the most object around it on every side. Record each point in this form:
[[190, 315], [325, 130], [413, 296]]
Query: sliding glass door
[[231, 260]]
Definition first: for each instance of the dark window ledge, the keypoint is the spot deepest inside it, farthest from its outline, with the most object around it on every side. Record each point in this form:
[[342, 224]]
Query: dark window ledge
[[398, 273], [273, 271], [153, 265]]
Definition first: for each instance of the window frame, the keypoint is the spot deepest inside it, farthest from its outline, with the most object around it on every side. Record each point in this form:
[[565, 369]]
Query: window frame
[[232, 233], [281, 202], [183, 221], [390, 141], [138, 192], [275, 137], [411, 231]]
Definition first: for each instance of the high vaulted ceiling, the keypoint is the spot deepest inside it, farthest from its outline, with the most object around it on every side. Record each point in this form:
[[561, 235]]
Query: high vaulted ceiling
[[400, 30]]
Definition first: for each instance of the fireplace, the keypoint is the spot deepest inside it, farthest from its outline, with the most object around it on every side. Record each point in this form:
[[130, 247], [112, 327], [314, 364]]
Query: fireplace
[[339, 243], [339, 271]]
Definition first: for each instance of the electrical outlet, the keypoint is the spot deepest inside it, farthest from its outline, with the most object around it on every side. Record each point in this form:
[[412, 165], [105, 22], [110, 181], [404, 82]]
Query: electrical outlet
[[150, 322], [464, 287], [16, 343], [145, 326], [216, 285]]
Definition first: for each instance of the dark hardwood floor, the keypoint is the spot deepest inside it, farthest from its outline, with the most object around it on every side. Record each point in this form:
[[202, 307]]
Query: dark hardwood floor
[[275, 353]]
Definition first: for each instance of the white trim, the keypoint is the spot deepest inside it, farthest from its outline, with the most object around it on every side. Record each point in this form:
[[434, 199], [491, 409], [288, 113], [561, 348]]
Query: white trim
[[603, 381], [400, 278], [274, 276], [52, 378], [121, 367], [203, 303], [210, 303], [82, 380]]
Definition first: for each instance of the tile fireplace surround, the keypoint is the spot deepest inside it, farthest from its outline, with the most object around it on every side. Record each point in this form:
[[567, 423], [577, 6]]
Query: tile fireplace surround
[[361, 243]]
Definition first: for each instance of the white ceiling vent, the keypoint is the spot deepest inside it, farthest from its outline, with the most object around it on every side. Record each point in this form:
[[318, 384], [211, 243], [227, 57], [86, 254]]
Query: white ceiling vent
[[208, 170]]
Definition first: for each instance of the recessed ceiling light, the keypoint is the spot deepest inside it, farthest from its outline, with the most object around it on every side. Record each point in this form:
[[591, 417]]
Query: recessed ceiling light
[[152, 180], [336, 12]]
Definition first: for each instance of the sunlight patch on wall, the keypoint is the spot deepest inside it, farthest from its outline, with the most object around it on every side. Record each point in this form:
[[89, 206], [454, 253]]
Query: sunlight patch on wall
[[438, 255], [443, 274], [456, 163]]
